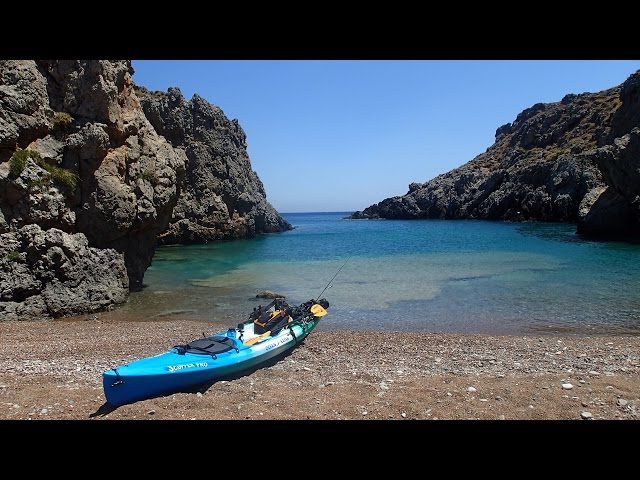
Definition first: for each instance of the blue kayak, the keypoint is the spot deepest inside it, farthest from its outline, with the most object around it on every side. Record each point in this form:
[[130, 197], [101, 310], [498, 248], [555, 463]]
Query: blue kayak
[[269, 332]]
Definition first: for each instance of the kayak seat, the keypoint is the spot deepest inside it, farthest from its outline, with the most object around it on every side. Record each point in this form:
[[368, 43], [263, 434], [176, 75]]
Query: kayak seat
[[207, 346], [268, 320]]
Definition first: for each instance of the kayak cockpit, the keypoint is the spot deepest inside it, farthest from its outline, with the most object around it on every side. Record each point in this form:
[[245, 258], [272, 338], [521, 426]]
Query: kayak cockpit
[[208, 346]]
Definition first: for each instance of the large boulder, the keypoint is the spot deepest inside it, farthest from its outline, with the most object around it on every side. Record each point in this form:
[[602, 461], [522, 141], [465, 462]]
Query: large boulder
[[53, 273]]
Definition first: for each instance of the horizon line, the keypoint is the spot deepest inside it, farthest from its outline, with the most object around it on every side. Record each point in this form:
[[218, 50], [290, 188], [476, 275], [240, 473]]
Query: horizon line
[[319, 211]]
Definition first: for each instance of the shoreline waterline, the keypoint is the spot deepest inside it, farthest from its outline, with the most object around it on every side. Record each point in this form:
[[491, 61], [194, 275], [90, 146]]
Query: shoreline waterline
[[453, 276]]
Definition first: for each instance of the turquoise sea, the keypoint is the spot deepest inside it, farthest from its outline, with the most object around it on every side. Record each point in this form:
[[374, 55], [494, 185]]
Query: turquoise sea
[[431, 275]]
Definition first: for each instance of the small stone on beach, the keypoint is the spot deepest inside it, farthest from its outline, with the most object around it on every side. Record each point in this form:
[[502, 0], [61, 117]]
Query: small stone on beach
[[403, 415], [621, 402], [567, 386], [471, 389], [586, 415]]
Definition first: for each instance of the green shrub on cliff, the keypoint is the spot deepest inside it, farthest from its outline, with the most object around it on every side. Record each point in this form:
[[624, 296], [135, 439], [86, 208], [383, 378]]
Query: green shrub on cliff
[[148, 175], [62, 120], [19, 160], [16, 166], [62, 176], [14, 256], [40, 182]]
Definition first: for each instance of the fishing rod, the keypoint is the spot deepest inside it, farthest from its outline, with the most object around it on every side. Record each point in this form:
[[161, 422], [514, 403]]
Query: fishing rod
[[332, 279]]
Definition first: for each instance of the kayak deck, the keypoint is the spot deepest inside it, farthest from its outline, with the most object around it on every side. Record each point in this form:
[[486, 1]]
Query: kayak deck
[[181, 368]]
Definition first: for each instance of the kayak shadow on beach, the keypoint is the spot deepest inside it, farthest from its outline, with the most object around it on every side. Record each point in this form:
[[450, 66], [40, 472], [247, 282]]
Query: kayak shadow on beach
[[107, 408]]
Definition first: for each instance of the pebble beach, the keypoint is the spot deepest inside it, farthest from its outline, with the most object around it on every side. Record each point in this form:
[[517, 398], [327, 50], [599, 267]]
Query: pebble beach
[[52, 370]]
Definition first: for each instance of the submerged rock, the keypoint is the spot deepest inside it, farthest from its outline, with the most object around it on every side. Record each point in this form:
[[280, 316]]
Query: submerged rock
[[269, 294]]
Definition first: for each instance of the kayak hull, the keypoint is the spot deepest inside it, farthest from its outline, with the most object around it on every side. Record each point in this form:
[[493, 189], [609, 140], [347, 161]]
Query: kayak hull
[[172, 372]]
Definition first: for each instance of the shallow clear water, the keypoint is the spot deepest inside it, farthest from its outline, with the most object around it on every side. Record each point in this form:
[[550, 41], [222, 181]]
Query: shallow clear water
[[429, 275]]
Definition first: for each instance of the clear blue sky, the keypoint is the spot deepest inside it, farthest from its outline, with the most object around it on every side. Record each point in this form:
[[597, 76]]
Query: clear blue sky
[[341, 135]]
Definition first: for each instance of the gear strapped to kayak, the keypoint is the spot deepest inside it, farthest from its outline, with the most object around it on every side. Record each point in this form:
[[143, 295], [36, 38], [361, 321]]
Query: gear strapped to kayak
[[268, 332], [273, 321]]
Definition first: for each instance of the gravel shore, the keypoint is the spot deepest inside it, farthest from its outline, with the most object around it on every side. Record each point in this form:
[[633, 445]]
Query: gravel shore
[[52, 370]]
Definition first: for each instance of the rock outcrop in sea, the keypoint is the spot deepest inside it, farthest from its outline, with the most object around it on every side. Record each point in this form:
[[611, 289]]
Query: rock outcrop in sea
[[577, 160], [87, 185], [222, 197]]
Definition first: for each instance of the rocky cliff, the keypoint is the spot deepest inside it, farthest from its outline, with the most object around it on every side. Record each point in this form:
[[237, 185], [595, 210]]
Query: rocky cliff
[[576, 160], [222, 197], [87, 184]]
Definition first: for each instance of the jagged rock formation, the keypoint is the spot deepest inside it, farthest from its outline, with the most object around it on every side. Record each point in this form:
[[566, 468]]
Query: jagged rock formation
[[87, 184], [575, 160], [93, 168], [222, 197]]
